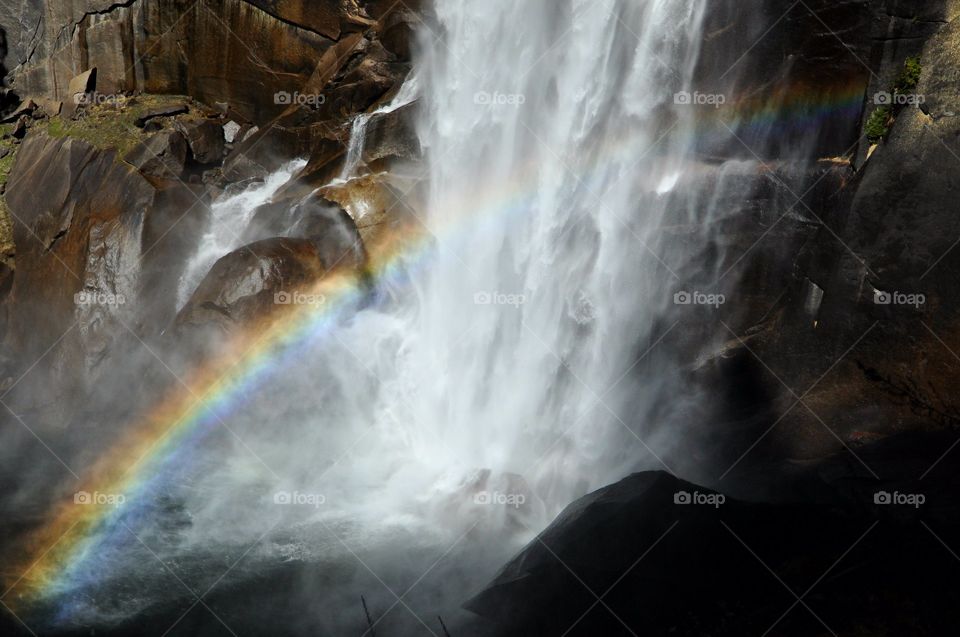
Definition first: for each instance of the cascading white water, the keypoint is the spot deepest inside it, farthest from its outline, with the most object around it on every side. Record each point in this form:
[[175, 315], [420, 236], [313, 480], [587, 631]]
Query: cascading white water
[[553, 140], [229, 217], [358, 131]]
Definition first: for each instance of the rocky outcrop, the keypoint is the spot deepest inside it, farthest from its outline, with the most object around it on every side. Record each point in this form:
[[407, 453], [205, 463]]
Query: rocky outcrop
[[248, 53], [97, 248], [844, 298]]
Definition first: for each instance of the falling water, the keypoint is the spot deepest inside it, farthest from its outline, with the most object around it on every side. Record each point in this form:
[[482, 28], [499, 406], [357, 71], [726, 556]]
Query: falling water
[[229, 216], [358, 131], [560, 119]]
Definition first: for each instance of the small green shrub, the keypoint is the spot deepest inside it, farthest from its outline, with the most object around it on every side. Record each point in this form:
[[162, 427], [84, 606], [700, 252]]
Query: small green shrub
[[910, 75], [877, 124]]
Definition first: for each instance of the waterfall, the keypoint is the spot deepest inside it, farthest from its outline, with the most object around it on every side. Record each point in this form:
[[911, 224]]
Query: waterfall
[[553, 134], [499, 372], [554, 149]]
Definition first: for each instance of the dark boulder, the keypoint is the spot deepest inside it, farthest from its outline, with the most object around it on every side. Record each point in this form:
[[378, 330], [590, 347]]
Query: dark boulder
[[656, 555], [317, 219], [163, 155], [250, 283], [205, 138]]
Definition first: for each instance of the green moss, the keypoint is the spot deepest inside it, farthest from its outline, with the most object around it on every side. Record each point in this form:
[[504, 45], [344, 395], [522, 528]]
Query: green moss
[[6, 225], [111, 125], [878, 124], [881, 119]]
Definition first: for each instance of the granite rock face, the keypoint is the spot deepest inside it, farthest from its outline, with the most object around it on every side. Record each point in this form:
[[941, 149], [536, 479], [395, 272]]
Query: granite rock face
[[97, 253], [244, 52]]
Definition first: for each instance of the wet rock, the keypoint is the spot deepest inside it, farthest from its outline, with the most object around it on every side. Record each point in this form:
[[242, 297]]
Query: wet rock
[[98, 245], [398, 32], [391, 136], [248, 284], [381, 205], [162, 155], [321, 221], [205, 138]]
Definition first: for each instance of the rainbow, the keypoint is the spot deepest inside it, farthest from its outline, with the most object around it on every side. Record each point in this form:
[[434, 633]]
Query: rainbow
[[165, 437]]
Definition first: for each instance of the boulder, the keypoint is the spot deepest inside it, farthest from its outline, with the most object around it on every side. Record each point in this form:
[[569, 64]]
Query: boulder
[[161, 111], [205, 138], [652, 554], [20, 128], [163, 155], [79, 87], [250, 283], [230, 131], [317, 219]]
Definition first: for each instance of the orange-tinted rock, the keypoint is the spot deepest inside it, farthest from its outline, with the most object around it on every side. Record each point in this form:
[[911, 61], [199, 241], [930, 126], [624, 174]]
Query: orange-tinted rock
[[99, 252]]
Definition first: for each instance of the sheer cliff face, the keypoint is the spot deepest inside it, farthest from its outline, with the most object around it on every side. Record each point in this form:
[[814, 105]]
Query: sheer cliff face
[[237, 51]]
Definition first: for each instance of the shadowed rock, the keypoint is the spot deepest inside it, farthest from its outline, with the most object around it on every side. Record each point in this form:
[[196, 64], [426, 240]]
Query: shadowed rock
[[162, 155]]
